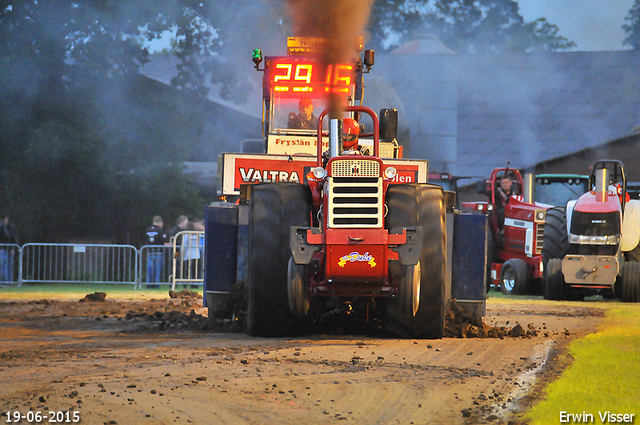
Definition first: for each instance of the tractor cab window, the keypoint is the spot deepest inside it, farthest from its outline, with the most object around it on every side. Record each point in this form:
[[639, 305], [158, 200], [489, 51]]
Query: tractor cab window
[[299, 115], [558, 191]]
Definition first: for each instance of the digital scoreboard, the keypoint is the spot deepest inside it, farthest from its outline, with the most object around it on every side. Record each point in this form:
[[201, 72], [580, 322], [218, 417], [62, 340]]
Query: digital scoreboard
[[294, 78]]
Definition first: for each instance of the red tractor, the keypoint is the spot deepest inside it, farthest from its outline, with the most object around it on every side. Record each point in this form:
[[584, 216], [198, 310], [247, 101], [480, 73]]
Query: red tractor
[[593, 245], [514, 239], [326, 231], [349, 239]]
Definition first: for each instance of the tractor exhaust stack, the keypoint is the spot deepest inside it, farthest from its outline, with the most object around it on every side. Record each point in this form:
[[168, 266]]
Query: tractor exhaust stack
[[335, 136], [528, 187], [602, 182]]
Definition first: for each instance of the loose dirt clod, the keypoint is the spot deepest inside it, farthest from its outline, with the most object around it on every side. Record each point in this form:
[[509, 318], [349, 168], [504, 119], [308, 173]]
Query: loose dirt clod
[[185, 294], [462, 323], [95, 297]]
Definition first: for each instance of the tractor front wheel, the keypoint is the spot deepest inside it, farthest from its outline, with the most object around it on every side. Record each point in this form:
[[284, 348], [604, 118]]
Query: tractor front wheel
[[409, 290], [514, 277]]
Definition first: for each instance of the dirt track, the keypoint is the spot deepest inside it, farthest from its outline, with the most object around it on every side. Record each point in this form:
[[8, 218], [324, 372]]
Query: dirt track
[[113, 364]]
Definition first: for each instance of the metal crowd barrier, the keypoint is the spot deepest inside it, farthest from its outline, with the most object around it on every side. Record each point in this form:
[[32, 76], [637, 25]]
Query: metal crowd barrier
[[188, 258], [10, 264], [79, 263], [155, 266], [180, 262]]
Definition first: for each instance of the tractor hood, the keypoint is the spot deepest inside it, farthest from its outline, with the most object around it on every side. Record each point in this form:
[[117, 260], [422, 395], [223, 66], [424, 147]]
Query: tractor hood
[[594, 217], [589, 203]]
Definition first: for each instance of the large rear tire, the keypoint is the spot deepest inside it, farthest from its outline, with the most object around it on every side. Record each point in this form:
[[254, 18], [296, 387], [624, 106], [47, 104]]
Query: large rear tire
[[630, 292], [514, 277], [556, 244], [554, 287], [419, 205], [633, 255], [273, 209]]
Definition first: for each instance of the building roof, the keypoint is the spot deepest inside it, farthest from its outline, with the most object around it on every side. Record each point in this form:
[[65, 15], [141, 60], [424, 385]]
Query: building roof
[[423, 45], [528, 108], [163, 68]]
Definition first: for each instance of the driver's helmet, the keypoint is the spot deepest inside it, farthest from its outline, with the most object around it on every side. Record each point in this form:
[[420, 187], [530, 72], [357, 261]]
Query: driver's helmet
[[350, 133]]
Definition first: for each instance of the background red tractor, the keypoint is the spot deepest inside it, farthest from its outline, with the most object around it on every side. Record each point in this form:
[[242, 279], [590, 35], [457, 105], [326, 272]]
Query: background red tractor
[[514, 239]]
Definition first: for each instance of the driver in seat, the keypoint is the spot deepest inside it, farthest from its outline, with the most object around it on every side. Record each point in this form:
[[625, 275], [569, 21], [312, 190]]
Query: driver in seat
[[350, 134]]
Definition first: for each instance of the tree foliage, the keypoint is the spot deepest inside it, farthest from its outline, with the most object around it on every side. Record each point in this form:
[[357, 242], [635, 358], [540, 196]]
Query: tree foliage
[[465, 26], [632, 28], [79, 156]]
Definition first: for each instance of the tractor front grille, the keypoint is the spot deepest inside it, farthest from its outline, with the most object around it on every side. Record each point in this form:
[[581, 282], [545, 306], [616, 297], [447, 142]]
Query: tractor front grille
[[355, 194], [355, 168], [539, 238]]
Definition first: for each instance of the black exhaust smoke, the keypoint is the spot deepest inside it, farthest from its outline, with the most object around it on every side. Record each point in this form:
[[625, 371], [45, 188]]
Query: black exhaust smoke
[[339, 22]]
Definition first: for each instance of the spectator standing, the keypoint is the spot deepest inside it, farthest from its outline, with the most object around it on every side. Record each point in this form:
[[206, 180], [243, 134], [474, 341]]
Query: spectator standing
[[8, 236], [182, 223], [199, 226], [155, 237], [190, 253]]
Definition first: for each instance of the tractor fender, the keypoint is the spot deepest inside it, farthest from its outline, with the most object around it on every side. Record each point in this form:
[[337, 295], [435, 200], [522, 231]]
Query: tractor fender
[[570, 206], [630, 226]]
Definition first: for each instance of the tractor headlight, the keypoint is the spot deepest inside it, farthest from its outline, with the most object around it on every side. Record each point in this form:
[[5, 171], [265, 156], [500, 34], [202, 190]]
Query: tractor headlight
[[490, 207], [390, 173], [540, 216], [319, 173]]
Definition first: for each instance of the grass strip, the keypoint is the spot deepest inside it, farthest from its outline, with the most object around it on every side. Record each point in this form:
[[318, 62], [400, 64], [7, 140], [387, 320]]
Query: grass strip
[[604, 376], [65, 291]]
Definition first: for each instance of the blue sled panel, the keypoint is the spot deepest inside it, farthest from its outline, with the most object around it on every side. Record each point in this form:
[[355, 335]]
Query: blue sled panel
[[469, 264], [221, 247]]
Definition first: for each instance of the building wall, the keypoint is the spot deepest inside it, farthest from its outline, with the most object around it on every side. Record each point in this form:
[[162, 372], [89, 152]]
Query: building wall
[[626, 149], [430, 95]]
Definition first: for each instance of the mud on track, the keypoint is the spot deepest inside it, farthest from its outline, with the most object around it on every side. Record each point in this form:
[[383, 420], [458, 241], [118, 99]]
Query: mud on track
[[157, 362]]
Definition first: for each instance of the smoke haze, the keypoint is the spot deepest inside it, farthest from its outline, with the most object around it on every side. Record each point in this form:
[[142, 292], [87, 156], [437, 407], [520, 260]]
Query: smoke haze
[[593, 24], [339, 22]]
